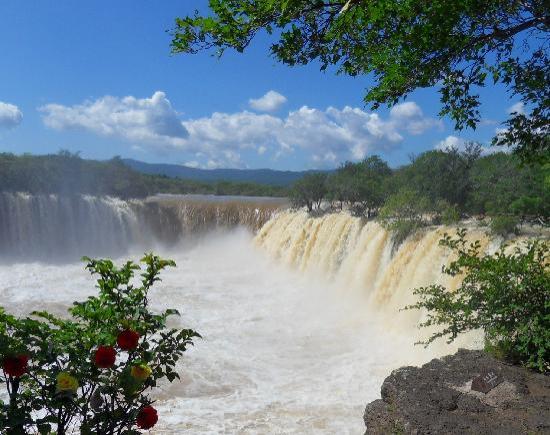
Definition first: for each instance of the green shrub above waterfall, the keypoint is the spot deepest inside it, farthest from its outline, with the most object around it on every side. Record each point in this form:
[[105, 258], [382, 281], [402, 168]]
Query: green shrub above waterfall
[[506, 294], [404, 213], [91, 372]]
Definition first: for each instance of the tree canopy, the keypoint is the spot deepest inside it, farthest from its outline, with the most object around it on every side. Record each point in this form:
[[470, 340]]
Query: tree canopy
[[457, 45], [436, 187]]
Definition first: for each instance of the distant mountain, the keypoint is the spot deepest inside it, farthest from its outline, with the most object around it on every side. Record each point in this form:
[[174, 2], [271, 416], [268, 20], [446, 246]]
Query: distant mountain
[[262, 176]]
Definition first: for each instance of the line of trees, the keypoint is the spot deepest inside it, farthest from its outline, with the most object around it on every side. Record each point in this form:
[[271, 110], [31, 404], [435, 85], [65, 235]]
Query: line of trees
[[67, 173], [436, 187]]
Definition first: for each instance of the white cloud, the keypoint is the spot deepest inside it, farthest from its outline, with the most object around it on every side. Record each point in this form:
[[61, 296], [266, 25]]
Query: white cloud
[[270, 102], [326, 136], [454, 142], [450, 142], [411, 116], [518, 108], [406, 110], [487, 121], [235, 131], [10, 115], [148, 120], [192, 164]]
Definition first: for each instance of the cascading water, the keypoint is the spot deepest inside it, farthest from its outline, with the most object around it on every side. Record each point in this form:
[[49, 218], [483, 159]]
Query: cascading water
[[49, 227], [55, 227], [360, 261], [200, 214]]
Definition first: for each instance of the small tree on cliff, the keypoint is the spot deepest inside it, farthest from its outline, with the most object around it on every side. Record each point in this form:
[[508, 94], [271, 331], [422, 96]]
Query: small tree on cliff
[[404, 213], [458, 45], [361, 185], [309, 191]]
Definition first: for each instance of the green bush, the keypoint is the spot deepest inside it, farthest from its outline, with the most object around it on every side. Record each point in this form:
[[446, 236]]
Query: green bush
[[93, 370], [504, 225], [505, 295], [309, 191], [449, 213], [403, 214]]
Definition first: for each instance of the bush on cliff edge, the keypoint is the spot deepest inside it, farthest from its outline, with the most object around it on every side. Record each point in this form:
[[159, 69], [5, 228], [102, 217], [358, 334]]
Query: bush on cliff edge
[[505, 295]]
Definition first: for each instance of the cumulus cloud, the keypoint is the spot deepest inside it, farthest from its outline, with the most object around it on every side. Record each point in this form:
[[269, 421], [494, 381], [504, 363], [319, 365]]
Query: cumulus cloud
[[458, 143], [411, 116], [239, 130], [192, 164], [148, 120], [270, 102], [10, 115], [450, 142], [327, 136], [518, 108]]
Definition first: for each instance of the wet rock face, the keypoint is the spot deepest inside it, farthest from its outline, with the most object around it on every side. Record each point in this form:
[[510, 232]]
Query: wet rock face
[[438, 399]]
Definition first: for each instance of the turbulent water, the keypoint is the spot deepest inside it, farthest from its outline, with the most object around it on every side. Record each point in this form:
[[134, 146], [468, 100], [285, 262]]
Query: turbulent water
[[301, 321]]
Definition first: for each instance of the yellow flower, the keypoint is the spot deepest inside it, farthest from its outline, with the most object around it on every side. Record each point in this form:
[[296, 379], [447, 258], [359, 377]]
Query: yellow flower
[[66, 382], [140, 371]]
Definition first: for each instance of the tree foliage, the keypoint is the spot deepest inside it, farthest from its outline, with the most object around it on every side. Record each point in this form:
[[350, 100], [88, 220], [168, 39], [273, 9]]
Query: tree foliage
[[507, 295], [92, 371], [404, 212], [309, 191], [443, 175], [66, 173], [436, 187], [459, 46], [361, 185]]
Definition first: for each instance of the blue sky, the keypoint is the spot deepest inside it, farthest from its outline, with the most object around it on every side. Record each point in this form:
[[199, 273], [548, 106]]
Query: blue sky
[[98, 77]]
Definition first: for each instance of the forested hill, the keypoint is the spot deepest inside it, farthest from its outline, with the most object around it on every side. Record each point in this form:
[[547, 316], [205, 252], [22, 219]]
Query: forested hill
[[66, 173], [262, 176]]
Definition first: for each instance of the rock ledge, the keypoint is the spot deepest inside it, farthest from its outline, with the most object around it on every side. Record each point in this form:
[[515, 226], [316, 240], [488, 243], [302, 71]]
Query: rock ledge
[[437, 399]]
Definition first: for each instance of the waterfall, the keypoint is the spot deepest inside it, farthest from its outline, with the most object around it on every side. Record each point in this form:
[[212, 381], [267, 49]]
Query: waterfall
[[61, 228], [199, 214], [359, 259], [50, 226]]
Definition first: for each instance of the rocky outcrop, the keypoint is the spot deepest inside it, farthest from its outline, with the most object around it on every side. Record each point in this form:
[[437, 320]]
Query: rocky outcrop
[[438, 399]]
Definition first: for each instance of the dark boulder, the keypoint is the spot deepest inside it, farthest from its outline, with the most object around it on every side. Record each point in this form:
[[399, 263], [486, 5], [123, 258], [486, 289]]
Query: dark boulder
[[437, 399]]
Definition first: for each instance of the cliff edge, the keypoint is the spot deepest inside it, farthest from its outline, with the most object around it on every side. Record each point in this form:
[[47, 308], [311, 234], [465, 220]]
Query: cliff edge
[[441, 398]]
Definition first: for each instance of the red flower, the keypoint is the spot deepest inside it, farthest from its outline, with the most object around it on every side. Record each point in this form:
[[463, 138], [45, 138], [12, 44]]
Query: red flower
[[105, 357], [147, 418], [16, 365], [127, 339]]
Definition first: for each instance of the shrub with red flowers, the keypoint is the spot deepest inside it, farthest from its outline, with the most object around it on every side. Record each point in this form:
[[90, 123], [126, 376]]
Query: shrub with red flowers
[[127, 339], [147, 417], [15, 366], [105, 357], [92, 372]]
